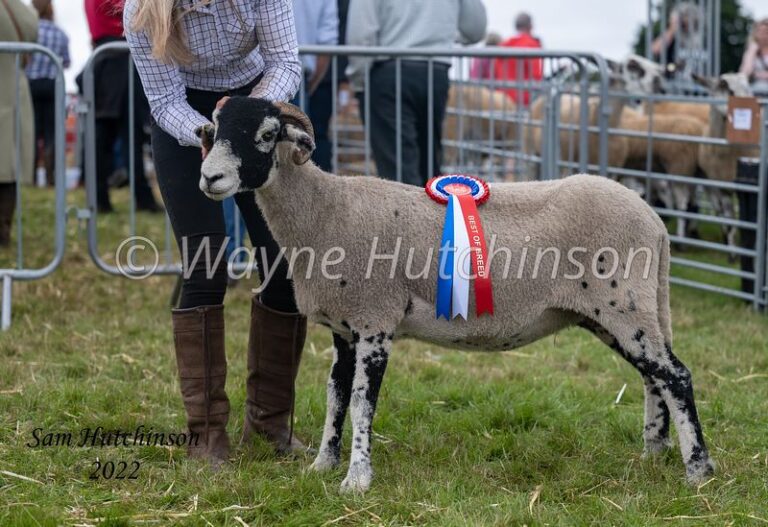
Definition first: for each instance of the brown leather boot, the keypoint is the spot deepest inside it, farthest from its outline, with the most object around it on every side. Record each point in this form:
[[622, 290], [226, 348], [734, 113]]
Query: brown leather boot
[[7, 207], [199, 337], [274, 352]]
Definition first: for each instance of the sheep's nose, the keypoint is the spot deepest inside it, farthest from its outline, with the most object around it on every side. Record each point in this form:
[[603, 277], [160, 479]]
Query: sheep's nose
[[210, 180]]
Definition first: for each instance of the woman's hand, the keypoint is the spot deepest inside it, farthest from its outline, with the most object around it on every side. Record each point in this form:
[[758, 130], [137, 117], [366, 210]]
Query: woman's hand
[[219, 106]]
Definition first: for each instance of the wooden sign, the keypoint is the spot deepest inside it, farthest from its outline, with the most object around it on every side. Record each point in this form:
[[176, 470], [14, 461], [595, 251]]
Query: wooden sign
[[743, 120]]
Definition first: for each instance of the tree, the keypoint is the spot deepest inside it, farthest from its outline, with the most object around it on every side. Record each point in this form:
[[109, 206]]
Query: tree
[[734, 32]]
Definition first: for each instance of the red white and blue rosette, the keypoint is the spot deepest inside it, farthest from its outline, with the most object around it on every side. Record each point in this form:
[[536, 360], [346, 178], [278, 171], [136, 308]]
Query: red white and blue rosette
[[463, 251]]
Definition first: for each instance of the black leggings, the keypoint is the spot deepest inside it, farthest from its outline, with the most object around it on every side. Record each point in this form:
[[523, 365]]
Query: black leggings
[[196, 218]]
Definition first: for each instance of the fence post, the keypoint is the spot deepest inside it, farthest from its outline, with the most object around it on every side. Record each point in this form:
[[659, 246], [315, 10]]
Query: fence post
[[761, 266], [5, 311]]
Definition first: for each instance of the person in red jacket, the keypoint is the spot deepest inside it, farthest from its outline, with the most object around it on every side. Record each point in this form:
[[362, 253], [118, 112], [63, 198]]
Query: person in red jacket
[[105, 20], [529, 69]]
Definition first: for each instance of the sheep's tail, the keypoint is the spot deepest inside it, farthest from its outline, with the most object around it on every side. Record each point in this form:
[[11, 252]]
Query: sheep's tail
[[662, 293]]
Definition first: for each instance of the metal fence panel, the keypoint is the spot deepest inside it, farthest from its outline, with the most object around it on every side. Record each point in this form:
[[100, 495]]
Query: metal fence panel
[[20, 271], [567, 127]]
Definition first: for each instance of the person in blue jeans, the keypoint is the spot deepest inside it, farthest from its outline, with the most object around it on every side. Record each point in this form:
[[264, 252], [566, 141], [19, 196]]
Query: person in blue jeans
[[317, 23], [235, 229]]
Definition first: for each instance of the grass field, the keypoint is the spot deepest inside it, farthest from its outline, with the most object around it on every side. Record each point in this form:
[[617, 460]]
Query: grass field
[[531, 437]]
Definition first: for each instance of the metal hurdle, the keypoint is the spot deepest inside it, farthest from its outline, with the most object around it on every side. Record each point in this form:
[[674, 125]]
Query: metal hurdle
[[651, 177], [477, 147], [20, 271], [351, 139]]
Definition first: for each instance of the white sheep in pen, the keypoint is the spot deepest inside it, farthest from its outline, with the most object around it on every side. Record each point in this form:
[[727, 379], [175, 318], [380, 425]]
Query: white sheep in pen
[[624, 299]]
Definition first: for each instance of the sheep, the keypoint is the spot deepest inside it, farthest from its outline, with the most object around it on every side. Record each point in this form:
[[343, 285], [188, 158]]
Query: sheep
[[570, 114], [721, 162], [672, 157], [482, 104], [634, 75], [692, 110], [370, 295], [714, 162]]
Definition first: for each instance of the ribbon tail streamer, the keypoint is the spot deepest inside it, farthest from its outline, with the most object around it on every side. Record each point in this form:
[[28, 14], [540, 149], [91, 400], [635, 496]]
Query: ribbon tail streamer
[[445, 266], [480, 269], [461, 261]]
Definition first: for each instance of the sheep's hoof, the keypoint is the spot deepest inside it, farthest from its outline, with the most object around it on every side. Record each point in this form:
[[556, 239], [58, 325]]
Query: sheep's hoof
[[323, 463], [700, 471], [655, 447], [358, 479]]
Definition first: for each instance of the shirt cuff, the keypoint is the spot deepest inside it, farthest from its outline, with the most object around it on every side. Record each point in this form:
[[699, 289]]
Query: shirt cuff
[[188, 136]]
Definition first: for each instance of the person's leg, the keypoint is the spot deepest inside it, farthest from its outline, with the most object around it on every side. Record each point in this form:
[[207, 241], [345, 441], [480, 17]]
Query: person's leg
[[37, 106], [198, 224], [276, 341], [321, 111], [382, 128], [145, 200], [438, 99], [49, 130], [106, 134], [384, 118], [7, 208], [440, 102], [233, 241]]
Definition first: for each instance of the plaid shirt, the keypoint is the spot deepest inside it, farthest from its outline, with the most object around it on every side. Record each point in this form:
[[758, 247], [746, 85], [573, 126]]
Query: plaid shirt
[[233, 41], [52, 37]]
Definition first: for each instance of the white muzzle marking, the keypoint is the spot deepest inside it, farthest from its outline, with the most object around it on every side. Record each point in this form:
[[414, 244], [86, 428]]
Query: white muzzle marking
[[220, 173]]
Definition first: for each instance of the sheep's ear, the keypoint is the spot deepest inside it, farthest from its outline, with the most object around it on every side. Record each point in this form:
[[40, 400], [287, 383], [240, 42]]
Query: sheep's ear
[[303, 144], [207, 134], [614, 66]]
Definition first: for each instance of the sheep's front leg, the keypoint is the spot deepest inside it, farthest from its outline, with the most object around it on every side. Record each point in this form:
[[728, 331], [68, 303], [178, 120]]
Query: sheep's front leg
[[339, 390], [371, 355]]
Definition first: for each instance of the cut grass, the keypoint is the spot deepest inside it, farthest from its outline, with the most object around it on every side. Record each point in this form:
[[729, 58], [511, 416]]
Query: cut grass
[[526, 437]]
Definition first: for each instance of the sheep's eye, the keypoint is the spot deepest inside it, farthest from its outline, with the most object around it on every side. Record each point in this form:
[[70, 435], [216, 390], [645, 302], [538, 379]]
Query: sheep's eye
[[268, 137]]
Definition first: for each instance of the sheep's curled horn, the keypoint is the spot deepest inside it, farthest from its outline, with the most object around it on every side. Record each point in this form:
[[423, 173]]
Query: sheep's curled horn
[[293, 115]]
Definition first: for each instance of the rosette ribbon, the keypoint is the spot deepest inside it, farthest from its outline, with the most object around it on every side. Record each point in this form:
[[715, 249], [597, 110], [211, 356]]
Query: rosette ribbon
[[463, 251]]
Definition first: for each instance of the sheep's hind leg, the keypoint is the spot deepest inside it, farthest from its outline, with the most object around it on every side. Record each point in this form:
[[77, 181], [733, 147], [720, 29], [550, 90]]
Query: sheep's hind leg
[[339, 390], [656, 428], [371, 356], [640, 341]]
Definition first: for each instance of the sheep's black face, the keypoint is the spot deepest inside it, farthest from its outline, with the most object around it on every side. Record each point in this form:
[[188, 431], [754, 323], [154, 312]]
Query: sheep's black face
[[242, 146]]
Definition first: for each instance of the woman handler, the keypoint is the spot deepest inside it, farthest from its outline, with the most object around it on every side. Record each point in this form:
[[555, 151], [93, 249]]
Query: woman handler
[[190, 54]]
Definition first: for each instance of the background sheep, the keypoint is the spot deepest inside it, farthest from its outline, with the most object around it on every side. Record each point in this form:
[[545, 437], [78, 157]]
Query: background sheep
[[635, 75], [259, 146], [721, 162], [474, 114], [672, 157], [714, 162]]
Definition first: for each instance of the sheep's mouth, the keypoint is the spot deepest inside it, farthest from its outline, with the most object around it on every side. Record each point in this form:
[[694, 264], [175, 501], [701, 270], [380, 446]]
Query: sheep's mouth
[[217, 194]]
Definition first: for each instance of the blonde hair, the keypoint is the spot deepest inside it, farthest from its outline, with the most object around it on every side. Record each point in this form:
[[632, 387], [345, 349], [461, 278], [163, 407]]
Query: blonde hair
[[756, 27], [161, 20]]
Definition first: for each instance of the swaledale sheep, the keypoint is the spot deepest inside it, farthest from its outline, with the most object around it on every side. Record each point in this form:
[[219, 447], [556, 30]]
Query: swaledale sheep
[[383, 237]]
